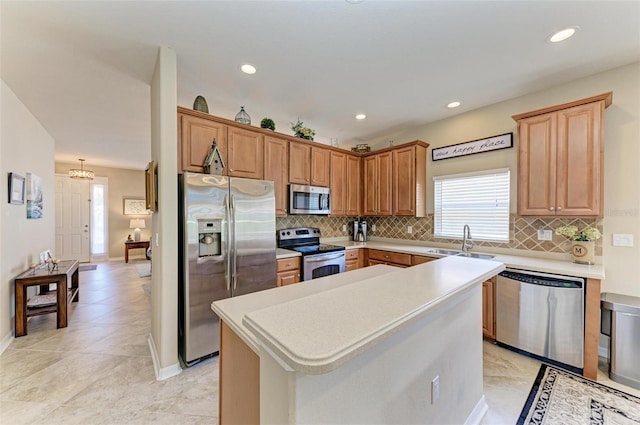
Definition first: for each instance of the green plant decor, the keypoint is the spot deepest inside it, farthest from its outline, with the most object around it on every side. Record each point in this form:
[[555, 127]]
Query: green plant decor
[[587, 234], [268, 123]]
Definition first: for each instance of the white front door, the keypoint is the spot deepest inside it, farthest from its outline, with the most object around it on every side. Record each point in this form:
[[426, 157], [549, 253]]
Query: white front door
[[73, 215]]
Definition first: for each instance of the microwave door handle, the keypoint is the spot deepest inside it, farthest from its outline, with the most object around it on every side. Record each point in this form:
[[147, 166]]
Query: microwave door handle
[[227, 269]]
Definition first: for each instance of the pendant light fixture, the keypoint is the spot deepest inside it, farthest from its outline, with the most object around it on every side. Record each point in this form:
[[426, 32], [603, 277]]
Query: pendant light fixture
[[81, 174]]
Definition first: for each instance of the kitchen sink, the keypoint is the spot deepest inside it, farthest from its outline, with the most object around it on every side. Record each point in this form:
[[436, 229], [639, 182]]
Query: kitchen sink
[[446, 252], [475, 255]]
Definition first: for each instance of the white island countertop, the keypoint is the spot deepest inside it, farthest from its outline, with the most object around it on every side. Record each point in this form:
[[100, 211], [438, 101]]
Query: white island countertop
[[232, 310], [318, 333]]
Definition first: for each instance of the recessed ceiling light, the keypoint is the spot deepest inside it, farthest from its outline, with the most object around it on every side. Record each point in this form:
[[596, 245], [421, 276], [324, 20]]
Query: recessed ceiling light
[[562, 34], [361, 116], [248, 68], [454, 104]]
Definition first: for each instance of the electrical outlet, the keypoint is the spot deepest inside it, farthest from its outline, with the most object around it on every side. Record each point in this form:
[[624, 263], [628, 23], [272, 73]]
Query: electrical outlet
[[622, 240], [544, 235], [373, 227], [435, 389], [344, 227], [409, 229]]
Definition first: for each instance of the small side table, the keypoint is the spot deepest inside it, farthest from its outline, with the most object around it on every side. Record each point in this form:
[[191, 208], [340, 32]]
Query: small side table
[[135, 245], [67, 290]]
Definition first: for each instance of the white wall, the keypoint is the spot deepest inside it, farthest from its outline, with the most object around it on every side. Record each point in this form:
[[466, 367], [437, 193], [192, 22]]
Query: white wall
[[164, 314], [621, 157], [25, 146]]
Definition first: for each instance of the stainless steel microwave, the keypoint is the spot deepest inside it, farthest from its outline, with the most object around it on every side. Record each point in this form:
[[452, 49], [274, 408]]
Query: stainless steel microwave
[[309, 199]]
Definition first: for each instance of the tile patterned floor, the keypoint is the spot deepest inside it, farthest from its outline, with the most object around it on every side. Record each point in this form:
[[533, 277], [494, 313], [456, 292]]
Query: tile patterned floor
[[98, 370]]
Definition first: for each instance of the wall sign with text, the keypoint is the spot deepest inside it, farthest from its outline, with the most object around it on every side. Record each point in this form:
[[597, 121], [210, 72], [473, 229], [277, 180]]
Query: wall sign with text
[[493, 143]]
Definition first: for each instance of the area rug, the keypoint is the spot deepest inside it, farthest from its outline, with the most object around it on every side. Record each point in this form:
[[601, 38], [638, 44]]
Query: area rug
[[561, 397], [144, 269], [87, 267]]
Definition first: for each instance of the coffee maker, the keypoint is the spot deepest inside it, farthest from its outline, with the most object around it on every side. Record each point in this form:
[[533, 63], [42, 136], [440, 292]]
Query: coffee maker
[[360, 230]]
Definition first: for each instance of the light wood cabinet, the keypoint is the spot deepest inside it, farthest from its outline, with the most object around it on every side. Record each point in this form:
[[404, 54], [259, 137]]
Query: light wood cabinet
[[354, 186], [409, 181], [299, 163], [309, 164], [488, 308], [345, 184], [560, 159], [195, 136], [245, 153], [377, 184], [419, 259], [338, 184], [287, 271], [353, 259], [275, 169], [320, 166], [397, 259]]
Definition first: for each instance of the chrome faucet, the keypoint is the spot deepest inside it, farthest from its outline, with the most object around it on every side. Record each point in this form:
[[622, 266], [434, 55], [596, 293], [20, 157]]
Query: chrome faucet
[[467, 242]]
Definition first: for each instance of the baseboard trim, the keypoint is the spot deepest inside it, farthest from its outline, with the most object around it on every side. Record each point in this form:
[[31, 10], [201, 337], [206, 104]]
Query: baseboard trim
[[165, 372], [6, 342], [481, 409]]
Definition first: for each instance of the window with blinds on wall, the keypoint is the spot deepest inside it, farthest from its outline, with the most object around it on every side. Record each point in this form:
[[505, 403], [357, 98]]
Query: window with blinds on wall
[[479, 199]]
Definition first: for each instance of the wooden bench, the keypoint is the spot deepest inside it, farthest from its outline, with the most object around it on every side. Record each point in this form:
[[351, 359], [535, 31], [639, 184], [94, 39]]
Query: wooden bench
[[67, 290]]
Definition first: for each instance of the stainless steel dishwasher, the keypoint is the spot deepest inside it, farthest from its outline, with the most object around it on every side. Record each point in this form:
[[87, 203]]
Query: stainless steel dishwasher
[[542, 315]]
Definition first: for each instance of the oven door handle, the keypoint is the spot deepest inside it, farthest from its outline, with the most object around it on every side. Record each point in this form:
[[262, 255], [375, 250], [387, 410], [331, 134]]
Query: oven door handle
[[323, 258]]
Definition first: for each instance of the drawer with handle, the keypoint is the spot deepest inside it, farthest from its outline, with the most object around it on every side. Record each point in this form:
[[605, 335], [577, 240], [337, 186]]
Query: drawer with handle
[[285, 264], [391, 257]]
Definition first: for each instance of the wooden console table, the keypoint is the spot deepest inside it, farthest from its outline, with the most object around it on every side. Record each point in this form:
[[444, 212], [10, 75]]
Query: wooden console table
[[67, 273], [135, 245]]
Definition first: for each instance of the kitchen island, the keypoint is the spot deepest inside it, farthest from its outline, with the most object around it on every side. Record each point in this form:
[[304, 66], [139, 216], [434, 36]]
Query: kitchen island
[[358, 347]]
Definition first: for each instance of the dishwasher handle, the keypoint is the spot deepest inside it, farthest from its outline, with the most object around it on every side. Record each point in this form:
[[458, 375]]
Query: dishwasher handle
[[543, 279]]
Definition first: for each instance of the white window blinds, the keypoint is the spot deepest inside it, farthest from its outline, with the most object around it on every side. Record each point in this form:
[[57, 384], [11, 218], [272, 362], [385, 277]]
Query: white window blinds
[[479, 199]]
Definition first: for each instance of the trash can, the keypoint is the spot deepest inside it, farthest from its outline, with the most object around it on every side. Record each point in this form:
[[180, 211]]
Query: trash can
[[620, 321]]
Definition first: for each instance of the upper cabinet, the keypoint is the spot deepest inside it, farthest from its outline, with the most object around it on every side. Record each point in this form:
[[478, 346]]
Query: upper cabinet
[[346, 181], [395, 181], [353, 205], [378, 184], [275, 169], [308, 164], [409, 181], [195, 136], [560, 159], [245, 153]]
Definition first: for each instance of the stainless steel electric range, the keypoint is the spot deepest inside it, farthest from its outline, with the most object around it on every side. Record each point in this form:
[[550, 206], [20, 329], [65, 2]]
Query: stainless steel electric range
[[318, 259]]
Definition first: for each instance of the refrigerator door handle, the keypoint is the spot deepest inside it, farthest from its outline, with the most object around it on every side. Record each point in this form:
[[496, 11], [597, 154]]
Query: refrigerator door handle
[[227, 216], [235, 242]]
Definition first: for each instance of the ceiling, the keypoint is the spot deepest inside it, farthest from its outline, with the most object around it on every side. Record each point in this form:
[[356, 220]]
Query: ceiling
[[84, 68]]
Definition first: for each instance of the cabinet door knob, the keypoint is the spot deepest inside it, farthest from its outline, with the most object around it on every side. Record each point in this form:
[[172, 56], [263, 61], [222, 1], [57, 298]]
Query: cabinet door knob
[[559, 208], [550, 208]]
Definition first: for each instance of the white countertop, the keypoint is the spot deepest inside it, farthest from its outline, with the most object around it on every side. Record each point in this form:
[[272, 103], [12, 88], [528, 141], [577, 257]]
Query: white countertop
[[544, 265], [317, 333], [286, 253], [232, 310]]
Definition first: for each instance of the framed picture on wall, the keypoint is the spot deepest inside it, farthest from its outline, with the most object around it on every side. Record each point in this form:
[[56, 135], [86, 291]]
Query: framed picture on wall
[[16, 189], [134, 206], [151, 187]]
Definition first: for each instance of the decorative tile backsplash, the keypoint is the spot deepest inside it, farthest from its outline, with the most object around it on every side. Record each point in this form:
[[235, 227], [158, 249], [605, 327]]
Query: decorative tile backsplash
[[523, 233]]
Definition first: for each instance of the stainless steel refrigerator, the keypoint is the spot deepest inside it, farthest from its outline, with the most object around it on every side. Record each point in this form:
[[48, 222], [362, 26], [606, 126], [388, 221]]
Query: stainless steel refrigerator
[[227, 230]]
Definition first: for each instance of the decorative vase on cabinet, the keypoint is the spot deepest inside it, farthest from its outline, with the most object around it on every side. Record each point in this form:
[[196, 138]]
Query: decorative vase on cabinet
[[583, 252]]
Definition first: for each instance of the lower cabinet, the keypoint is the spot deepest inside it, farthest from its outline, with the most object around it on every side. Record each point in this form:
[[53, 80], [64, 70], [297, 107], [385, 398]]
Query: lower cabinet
[[419, 259], [390, 258], [488, 308], [353, 260], [288, 271]]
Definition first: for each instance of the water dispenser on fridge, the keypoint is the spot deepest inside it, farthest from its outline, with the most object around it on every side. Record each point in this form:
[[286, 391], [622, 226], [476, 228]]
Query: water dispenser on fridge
[[209, 237]]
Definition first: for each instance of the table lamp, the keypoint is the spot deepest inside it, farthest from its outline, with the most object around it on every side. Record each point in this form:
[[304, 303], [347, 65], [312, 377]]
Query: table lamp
[[137, 224]]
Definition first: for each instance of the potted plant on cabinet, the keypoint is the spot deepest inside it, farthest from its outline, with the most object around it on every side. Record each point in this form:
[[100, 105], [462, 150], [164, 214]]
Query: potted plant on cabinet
[[583, 242]]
